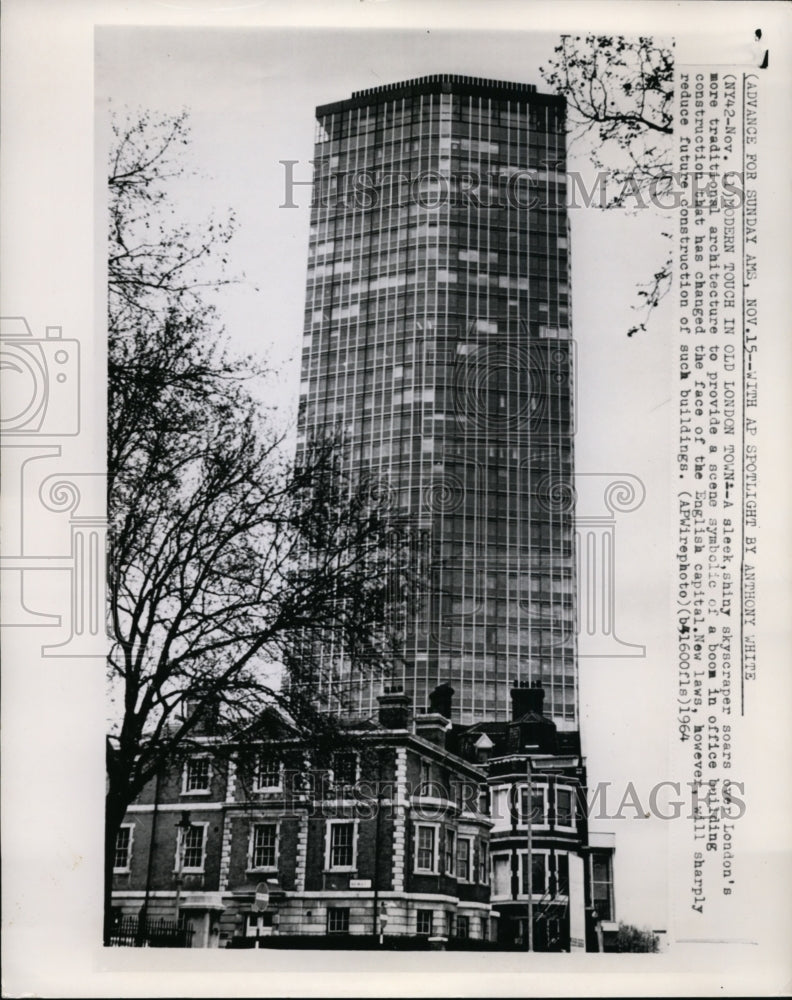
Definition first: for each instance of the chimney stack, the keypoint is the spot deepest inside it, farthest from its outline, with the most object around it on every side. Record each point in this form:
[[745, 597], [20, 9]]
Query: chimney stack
[[440, 700], [433, 724], [526, 699], [433, 727], [394, 708]]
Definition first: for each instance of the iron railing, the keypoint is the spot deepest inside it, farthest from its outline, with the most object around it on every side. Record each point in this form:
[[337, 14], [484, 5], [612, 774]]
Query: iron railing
[[133, 932]]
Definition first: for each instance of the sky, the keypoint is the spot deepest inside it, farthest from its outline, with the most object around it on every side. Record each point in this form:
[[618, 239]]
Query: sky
[[251, 94]]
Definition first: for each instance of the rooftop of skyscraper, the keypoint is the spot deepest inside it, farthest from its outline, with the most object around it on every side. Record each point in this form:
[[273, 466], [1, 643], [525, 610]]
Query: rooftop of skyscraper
[[444, 83]]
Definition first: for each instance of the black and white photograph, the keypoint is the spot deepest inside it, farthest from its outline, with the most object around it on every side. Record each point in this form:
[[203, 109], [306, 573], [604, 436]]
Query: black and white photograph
[[392, 516]]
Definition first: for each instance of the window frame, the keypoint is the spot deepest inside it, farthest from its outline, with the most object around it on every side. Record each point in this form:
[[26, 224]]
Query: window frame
[[521, 884], [504, 858], [125, 869], [463, 838], [194, 759], [422, 912], [561, 891], [522, 819], [259, 923], [192, 870], [608, 859], [251, 867], [425, 779], [330, 824], [334, 783], [569, 789], [462, 920], [435, 828], [483, 875], [334, 910], [257, 785], [449, 852]]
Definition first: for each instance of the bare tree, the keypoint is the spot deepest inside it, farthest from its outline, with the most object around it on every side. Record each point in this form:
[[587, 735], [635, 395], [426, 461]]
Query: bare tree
[[226, 558], [155, 261], [619, 95]]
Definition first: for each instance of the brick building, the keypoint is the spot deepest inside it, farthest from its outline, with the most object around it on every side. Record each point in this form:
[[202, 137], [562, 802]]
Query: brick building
[[545, 866], [383, 837], [412, 833]]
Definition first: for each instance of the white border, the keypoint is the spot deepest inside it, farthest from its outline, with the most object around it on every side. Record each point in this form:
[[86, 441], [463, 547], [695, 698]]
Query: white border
[[52, 884]]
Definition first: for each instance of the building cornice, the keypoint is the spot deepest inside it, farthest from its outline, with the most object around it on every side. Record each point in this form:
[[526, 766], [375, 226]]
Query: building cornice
[[443, 83]]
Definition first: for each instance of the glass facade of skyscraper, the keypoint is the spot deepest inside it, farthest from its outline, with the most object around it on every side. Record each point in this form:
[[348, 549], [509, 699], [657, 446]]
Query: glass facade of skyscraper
[[437, 334]]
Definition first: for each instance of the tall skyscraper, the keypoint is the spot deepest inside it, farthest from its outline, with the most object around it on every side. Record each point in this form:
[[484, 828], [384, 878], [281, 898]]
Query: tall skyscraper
[[437, 334]]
